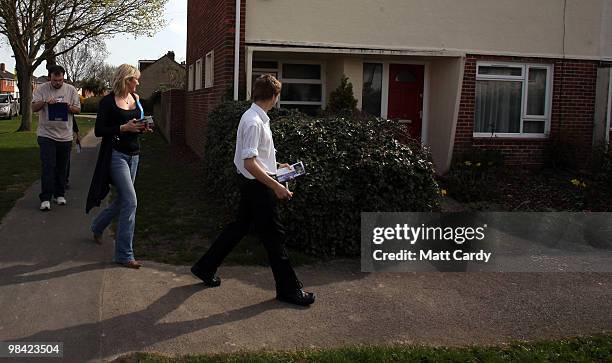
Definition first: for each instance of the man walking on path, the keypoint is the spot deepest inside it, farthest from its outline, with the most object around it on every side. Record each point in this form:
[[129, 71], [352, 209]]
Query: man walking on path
[[56, 104], [255, 159]]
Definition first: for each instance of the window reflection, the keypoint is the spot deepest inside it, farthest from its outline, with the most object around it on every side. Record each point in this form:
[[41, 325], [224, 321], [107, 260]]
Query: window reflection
[[372, 88]]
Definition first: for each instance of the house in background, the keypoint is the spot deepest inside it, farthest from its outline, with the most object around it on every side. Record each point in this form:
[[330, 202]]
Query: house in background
[[8, 82], [507, 75], [160, 74]]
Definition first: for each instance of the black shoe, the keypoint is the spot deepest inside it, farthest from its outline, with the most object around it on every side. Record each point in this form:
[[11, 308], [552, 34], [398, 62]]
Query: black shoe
[[209, 279], [297, 296]]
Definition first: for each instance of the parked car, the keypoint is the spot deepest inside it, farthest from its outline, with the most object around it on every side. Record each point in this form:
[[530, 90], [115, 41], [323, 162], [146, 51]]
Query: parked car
[[9, 106]]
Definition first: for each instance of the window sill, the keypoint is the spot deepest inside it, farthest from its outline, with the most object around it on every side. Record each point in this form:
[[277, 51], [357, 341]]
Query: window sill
[[521, 137]]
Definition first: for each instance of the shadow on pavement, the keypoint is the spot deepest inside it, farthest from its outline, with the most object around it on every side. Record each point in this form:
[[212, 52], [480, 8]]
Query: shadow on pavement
[[146, 329]]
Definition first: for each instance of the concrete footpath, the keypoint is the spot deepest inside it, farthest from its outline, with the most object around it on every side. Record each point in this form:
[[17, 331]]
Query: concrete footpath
[[56, 285]]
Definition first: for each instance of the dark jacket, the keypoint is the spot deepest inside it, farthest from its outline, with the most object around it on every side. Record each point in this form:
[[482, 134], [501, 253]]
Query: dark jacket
[[108, 123]]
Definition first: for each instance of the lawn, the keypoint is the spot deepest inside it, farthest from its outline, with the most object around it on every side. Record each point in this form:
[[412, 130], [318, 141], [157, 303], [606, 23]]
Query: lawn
[[177, 215], [20, 160], [587, 349]]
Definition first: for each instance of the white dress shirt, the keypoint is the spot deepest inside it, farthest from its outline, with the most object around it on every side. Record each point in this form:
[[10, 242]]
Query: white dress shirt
[[254, 139]]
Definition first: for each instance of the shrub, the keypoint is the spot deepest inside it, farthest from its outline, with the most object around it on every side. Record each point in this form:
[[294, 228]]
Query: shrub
[[601, 166], [561, 153], [90, 105], [473, 174], [352, 166], [219, 170], [342, 101]]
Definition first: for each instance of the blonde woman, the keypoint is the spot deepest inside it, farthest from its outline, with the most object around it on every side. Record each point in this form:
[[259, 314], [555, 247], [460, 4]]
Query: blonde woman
[[117, 124]]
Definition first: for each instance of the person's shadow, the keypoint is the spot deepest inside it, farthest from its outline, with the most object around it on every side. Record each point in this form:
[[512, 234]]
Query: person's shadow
[[143, 326], [19, 274]]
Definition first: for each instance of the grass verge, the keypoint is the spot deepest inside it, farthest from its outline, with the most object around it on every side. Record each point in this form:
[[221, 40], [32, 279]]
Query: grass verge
[[177, 216], [585, 349]]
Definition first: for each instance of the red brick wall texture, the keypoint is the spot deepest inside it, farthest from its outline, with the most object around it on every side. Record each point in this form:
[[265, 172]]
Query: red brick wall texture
[[573, 111], [210, 26]]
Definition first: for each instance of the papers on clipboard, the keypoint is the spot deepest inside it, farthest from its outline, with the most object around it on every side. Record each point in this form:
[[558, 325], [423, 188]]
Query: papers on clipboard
[[58, 111], [290, 173]]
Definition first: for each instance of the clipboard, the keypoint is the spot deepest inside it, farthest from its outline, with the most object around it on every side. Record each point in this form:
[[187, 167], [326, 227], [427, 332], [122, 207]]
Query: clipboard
[[58, 112]]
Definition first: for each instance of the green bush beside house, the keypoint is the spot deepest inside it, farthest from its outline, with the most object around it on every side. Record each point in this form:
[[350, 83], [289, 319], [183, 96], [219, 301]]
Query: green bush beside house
[[353, 165], [90, 105]]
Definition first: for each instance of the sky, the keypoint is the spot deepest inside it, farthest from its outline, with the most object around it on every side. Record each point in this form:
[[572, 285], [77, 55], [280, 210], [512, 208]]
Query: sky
[[124, 48]]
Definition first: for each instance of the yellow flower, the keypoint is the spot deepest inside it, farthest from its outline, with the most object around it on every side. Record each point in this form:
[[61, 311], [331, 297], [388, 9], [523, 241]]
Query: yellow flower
[[443, 192], [583, 185], [479, 164], [576, 182], [468, 163]]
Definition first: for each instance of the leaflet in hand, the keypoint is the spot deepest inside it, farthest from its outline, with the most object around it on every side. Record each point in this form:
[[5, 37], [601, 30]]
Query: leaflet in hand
[[58, 111], [286, 174], [147, 120]]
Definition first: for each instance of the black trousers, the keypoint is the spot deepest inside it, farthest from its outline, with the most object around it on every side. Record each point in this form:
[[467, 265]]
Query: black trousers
[[54, 156], [258, 207]]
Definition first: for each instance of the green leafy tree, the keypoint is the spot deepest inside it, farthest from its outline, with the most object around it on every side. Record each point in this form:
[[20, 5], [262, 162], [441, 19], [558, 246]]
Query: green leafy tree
[[94, 85], [34, 28]]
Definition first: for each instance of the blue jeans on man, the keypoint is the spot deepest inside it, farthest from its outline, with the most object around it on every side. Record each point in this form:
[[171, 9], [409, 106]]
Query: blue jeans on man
[[123, 173], [54, 156]]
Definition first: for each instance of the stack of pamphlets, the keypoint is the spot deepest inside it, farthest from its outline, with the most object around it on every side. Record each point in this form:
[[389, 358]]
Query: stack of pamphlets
[[290, 173]]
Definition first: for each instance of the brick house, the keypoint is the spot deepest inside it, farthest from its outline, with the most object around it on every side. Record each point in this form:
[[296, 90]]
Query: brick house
[[509, 75], [158, 74], [8, 81]]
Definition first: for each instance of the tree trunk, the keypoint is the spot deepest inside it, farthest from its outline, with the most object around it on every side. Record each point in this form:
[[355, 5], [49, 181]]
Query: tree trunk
[[24, 83], [50, 59]]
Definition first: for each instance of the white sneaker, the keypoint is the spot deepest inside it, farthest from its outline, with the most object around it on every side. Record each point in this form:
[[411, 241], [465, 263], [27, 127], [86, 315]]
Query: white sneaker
[[60, 201], [46, 205]]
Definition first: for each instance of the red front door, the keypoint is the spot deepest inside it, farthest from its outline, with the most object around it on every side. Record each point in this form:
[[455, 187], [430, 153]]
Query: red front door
[[406, 96]]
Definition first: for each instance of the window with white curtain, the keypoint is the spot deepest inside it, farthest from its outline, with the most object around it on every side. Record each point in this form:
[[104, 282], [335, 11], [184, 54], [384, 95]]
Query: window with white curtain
[[209, 77], [512, 99], [198, 74]]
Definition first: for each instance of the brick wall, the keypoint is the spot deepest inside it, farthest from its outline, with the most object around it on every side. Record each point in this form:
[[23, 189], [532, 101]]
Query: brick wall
[[210, 26], [169, 111], [7, 86], [164, 72], [573, 111]]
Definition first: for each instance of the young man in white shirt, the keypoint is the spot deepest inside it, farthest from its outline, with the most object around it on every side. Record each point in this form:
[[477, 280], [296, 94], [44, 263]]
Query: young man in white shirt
[[255, 160]]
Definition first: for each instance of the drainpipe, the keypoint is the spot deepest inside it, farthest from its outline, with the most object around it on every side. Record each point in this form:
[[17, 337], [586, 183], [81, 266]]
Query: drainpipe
[[609, 109], [237, 51]]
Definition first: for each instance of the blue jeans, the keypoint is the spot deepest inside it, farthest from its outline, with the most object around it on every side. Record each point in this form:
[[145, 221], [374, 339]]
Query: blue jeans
[[123, 174]]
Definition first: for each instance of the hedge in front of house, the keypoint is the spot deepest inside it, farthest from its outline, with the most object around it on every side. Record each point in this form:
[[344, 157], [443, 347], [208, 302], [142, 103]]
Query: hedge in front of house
[[90, 105], [353, 165], [220, 174]]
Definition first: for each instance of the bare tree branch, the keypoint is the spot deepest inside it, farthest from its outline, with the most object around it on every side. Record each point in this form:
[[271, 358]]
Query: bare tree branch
[[34, 29]]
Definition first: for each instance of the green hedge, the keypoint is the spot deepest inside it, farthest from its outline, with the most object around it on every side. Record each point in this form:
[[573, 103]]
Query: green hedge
[[90, 105], [353, 165]]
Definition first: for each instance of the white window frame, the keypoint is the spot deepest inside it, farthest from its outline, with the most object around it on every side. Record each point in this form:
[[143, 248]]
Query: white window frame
[[209, 72], [190, 78], [260, 72], [198, 74], [524, 78], [320, 81], [279, 72]]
